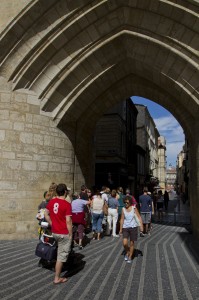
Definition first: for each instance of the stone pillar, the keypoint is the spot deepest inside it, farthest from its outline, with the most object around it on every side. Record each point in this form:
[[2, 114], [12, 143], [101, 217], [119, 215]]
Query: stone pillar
[[34, 153], [194, 180]]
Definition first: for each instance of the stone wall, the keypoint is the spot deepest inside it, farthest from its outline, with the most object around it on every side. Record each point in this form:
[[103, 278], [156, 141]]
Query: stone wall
[[33, 154], [81, 58]]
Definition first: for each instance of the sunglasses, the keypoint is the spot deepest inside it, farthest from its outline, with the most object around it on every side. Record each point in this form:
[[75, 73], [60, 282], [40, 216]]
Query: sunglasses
[[126, 203]]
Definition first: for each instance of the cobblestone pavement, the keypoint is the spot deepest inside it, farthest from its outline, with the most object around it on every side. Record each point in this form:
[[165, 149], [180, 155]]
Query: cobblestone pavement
[[168, 269]]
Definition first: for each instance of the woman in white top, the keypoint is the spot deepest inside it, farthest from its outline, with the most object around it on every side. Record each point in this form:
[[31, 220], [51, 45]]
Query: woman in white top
[[129, 223], [97, 214]]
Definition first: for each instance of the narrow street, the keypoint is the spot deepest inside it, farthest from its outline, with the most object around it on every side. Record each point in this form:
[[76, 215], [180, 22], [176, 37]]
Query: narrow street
[[168, 269]]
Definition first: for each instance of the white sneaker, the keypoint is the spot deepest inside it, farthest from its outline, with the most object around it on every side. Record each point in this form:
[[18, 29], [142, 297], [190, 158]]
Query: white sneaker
[[125, 257], [116, 235]]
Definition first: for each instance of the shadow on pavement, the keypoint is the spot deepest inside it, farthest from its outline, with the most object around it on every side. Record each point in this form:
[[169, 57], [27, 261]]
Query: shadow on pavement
[[191, 243], [74, 264]]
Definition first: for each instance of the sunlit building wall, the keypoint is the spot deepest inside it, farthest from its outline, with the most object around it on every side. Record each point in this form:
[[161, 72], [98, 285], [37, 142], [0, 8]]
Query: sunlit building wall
[[147, 138], [162, 161]]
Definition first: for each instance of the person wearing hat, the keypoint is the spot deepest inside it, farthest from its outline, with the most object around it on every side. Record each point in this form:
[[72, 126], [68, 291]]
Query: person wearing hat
[[58, 214]]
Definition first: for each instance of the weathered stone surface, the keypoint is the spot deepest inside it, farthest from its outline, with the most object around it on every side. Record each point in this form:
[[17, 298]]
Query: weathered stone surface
[[59, 74]]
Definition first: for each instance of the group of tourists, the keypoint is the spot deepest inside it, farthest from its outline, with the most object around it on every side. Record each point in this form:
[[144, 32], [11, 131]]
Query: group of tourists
[[104, 212]]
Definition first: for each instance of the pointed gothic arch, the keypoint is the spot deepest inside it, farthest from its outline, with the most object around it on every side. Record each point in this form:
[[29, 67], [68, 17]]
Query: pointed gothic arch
[[79, 58]]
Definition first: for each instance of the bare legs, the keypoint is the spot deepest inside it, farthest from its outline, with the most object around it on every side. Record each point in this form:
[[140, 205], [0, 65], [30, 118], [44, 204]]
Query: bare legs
[[79, 233], [129, 250], [98, 236], [58, 269]]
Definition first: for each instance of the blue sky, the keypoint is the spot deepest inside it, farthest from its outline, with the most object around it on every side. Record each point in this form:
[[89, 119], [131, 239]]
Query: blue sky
[[167, 126]]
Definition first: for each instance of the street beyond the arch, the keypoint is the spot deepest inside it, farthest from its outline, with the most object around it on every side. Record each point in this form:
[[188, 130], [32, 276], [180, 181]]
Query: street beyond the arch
[[165, 266]]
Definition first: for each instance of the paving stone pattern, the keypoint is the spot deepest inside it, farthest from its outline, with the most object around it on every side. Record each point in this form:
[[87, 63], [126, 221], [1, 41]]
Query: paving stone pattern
[[168, 269]]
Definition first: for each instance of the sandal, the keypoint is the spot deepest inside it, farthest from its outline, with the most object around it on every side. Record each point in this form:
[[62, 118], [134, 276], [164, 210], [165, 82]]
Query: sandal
[[61, 280]]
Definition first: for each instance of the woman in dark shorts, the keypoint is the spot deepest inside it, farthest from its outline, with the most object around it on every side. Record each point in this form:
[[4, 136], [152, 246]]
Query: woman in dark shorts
[[129, 227]]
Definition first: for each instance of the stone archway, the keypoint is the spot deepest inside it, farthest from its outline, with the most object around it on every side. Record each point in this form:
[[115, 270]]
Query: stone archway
[[64, 64]]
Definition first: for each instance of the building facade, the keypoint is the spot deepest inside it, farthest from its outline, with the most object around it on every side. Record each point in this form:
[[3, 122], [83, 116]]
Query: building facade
[[115, 140], [147, 140], [162, 162], [171, 176], [182, 168]]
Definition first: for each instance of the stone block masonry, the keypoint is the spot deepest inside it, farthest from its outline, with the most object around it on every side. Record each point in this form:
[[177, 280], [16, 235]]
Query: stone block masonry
[[33, 154], [81, 58]]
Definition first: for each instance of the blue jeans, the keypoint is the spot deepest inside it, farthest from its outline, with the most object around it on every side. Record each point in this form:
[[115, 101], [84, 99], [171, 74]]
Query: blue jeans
[[97, 222]]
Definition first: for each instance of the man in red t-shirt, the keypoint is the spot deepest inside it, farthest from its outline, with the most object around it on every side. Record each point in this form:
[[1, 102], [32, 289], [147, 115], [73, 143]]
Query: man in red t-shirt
[[59, 215]]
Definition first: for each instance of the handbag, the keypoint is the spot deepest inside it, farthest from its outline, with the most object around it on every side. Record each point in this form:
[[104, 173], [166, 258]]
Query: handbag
[[46, 251], [105, 208], [136, 219]]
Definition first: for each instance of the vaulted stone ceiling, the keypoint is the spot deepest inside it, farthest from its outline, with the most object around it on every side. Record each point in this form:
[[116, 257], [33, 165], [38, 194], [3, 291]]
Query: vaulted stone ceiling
[[82, 57]]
